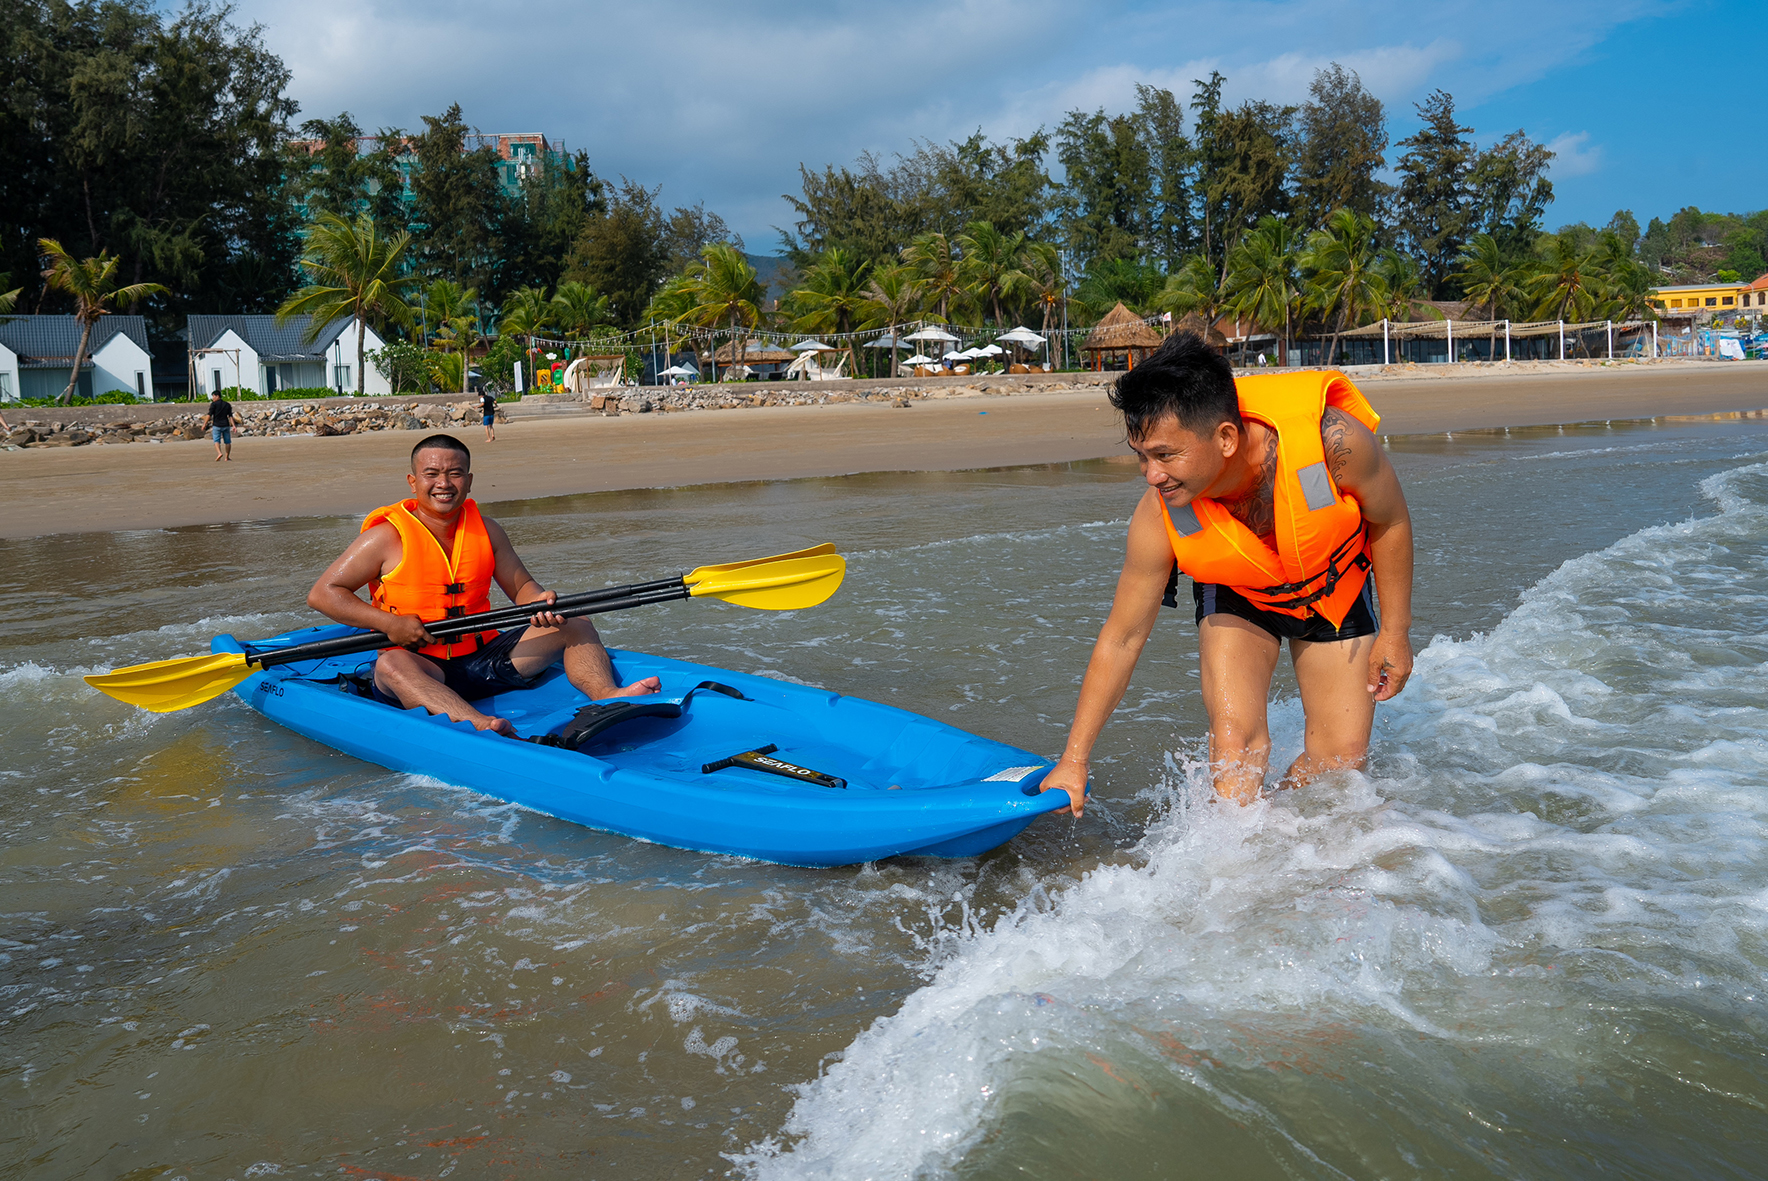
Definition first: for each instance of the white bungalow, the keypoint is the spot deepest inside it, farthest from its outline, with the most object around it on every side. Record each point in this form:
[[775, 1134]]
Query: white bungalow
[[257, 353], [37, 353]]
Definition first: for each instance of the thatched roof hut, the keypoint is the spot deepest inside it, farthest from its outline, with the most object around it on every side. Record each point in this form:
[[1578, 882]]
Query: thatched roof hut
[[1122, 329], [1121, 338]]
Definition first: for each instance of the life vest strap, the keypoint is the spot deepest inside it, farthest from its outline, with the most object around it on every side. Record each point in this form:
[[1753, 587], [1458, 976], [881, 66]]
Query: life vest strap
[[1333, 572]]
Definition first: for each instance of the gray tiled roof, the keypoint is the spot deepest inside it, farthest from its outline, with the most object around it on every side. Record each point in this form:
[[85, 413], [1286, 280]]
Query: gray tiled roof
[[52, 340], [271, 341]]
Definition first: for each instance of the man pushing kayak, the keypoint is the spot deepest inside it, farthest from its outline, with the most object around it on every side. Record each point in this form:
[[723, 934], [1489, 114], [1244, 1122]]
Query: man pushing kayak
[[434, 556], [1276, 498]]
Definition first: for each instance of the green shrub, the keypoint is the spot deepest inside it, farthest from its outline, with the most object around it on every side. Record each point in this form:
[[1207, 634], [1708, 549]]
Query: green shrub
[[406, 366], [113, 398], [498, 365]]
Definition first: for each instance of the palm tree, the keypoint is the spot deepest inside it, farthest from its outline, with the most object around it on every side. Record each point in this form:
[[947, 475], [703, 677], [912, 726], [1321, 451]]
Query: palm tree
[[1489, 280], [1628, 282], [1044, 280], [725, 294], [1193, 288], [832, 297], [460, 334], [992, 265], [1343, 284], [526, 312], [1136, 285], [939, 266], [1401, 281], [355, 272], [8, 299], [1568, 284], [1262, 284], [92, 283], [444, 300], [671, 305], [892, 299], [577, 308]]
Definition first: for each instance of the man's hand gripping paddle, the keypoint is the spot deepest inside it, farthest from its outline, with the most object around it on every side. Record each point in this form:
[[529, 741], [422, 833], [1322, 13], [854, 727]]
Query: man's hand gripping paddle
[[784, 582]]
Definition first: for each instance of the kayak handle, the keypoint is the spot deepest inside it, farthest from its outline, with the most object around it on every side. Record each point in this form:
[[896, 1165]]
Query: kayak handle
[[760, 759]]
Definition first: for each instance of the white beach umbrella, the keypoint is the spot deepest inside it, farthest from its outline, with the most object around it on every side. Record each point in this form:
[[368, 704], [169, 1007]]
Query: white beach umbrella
[[679, 371], [886, 341], [991, 350], [954, 355], [805, 346], [918, 359], [1023, 335], [930, 333]]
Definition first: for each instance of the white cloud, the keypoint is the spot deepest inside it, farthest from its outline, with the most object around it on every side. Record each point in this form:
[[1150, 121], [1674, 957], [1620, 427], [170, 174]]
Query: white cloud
[[1573, 155], [720, 101]]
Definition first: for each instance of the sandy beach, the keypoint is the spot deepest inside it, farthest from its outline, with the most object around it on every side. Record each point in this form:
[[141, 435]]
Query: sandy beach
[[148, 486]]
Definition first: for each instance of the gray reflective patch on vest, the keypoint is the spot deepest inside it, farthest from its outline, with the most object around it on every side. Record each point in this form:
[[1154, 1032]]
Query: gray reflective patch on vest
[[1184, 519], [1316, 487]]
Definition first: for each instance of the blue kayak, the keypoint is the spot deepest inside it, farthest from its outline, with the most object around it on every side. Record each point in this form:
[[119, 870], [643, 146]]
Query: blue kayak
[[718, 761]]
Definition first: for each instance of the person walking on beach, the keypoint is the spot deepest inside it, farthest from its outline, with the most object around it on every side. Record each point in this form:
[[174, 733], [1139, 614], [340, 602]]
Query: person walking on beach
[[434, 556], [220, 420], [1276, 498], [488, 413]]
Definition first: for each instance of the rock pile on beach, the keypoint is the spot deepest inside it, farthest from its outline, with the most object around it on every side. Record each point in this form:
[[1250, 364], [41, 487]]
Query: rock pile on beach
[[250, 419], [740, 395]]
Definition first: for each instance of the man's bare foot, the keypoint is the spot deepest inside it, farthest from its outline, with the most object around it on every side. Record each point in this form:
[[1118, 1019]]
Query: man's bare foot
[[640, 688], [495, 725]]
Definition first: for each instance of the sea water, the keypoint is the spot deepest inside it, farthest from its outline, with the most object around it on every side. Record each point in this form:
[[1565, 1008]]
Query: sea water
[[1528, 942]]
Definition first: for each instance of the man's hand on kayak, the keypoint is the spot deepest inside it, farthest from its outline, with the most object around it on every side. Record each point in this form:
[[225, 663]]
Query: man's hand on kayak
[[1069, 776]]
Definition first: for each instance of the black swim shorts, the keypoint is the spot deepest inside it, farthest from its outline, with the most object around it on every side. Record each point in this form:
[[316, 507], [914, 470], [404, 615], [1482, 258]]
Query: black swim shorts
[[1360, 620], [480, 673]]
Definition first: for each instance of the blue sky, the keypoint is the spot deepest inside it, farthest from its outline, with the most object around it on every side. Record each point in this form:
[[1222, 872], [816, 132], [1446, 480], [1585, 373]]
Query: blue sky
[[720, 101]]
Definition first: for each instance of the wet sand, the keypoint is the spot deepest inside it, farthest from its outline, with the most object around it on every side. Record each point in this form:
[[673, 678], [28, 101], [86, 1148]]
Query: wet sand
[[147, 485]]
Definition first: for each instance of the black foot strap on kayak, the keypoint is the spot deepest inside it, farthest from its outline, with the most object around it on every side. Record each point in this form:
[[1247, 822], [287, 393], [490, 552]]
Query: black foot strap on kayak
[[598, 716], [759, 760]]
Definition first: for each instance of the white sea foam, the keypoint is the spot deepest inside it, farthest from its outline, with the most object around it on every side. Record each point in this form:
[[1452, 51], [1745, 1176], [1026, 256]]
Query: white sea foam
[[1561, 848]]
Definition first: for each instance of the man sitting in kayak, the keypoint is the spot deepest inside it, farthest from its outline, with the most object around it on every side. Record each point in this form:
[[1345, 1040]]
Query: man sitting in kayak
[[1277, 500], [433, 557]]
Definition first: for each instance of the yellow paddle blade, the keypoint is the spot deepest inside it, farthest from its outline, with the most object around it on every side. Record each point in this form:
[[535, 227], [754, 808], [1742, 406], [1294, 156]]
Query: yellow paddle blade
[[815, 551], [168, 685], [777, 584]]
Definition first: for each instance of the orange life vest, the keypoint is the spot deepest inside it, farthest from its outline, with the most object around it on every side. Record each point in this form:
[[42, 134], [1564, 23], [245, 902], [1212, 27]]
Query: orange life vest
[[1319, 564], [431, 584]]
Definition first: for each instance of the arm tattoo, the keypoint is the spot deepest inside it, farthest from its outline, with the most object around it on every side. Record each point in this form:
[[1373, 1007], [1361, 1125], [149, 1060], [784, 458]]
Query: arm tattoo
[[1335, 433]]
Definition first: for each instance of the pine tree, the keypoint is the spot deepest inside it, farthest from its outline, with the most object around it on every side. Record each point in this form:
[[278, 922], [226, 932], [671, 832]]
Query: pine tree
[[1433, 204]]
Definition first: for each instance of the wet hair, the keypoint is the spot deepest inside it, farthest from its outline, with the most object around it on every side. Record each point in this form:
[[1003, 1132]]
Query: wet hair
[[441, 443], [1185, 378]]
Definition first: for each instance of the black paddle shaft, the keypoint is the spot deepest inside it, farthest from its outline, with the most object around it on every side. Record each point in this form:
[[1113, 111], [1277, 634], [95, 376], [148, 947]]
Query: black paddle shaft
[[613, 598]]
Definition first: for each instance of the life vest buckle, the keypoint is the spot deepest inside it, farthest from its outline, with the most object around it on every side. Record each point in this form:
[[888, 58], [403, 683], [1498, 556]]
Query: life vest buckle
[[455, 588], [455, 612]]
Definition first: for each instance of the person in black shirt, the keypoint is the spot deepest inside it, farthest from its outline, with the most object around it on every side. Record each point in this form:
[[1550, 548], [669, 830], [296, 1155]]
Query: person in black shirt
[[220, 420], [488, 412]]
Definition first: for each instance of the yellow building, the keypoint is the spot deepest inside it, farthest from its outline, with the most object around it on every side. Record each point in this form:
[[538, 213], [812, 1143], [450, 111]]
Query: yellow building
[[1694, 299]]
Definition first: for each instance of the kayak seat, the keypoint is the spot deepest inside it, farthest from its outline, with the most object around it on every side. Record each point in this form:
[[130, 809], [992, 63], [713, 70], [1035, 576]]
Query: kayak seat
[[598, 716]]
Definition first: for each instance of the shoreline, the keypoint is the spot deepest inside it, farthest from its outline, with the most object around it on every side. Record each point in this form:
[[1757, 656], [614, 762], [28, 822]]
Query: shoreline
[[64, 490]]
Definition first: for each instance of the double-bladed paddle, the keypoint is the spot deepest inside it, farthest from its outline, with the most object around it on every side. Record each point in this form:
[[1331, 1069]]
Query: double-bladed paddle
[[784, 582]]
